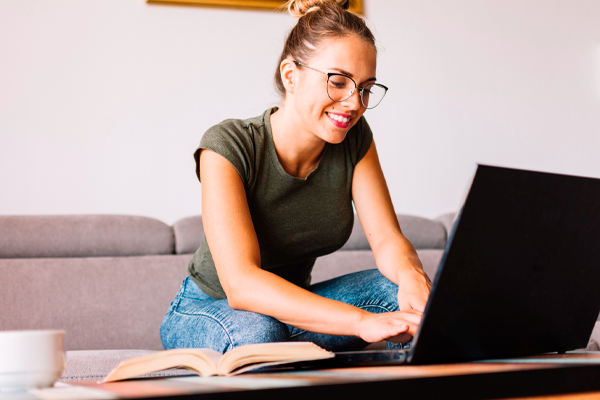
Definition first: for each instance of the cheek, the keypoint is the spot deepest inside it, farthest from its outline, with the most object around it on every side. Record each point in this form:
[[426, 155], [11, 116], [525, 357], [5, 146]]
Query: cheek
[[313, 102]]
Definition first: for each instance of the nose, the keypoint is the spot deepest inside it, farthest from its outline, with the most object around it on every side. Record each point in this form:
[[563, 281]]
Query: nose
[[353, 102]]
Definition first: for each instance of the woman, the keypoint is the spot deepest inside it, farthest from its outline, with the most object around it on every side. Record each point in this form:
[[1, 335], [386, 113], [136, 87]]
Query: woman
[[277, 192]]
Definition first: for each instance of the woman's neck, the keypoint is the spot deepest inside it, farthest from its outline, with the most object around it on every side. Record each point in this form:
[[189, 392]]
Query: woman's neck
[[298, 150]]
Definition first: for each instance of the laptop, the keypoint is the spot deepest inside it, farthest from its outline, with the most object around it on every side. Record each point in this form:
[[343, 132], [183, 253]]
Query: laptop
[[520, 274]]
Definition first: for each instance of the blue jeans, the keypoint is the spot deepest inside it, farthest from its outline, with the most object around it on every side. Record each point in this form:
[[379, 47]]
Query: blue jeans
[[197, 320]]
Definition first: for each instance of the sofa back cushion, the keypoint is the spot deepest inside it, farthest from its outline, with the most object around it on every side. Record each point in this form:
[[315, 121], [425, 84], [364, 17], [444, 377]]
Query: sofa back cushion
[[188, 234], [423, 234], [100, 302], [29, 236], [346, 262]]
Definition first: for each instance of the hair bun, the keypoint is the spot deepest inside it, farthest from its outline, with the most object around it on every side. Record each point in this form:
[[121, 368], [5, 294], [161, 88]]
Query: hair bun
[[299, 8]]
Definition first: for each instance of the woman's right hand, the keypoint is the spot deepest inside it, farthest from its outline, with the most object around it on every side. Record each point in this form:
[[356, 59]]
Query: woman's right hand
[[397, 326]]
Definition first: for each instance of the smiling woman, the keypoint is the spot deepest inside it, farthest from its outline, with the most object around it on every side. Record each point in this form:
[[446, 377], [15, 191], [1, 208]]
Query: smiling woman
[[278, 192]]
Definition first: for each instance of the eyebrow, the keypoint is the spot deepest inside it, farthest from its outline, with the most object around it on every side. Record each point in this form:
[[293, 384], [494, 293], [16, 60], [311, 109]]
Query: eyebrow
[[341, 71]]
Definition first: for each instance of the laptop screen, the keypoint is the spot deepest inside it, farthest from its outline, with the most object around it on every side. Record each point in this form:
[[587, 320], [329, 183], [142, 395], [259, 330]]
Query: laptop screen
[[521, 270]]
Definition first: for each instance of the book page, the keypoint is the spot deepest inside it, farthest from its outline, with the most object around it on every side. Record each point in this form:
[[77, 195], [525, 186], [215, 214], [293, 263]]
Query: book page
[[272, 353], [202, 361]]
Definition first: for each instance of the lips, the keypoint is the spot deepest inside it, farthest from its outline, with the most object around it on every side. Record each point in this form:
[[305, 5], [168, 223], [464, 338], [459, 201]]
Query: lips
[[339, 120]]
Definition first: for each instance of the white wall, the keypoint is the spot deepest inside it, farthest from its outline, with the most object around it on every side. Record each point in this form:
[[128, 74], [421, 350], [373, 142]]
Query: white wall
[[102, 102], [505, 82]]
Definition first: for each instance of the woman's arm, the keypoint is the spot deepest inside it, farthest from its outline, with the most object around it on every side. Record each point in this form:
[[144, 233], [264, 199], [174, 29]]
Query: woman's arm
[[235, 251], [394, 255]]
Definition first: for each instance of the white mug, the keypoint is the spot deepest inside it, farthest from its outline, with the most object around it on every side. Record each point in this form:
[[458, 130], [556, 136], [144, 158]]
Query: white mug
[[30, 359]]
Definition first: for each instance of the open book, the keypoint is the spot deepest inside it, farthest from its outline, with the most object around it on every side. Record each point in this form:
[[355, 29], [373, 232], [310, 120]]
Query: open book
[[208, 362]]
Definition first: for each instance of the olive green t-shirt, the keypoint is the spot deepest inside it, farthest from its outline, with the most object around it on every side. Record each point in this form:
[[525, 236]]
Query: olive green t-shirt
[[296, 220]]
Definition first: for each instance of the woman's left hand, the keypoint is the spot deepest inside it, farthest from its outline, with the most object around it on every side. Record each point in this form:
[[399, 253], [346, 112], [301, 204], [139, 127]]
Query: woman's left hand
[[413, 289]]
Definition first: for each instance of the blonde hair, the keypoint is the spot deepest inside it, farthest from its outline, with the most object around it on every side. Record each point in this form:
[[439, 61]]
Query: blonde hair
[[298, 8], [318, 22]]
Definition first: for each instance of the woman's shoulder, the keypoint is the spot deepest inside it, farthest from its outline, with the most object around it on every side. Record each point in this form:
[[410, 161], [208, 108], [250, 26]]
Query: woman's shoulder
[[241, 141], [242, 131]]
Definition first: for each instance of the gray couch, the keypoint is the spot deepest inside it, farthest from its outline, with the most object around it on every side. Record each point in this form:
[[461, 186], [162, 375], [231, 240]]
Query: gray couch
[[108, 280]]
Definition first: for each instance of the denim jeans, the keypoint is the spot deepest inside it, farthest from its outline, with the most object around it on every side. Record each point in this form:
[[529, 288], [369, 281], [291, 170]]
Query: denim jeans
[[197, 320]]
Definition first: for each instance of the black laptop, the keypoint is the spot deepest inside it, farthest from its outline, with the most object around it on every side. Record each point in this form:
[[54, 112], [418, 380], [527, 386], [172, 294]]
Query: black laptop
[[520, 274]]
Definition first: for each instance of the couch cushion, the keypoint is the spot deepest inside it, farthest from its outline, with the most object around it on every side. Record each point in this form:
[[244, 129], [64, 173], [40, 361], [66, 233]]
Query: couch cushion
[[346, 262], [430, 258], [421, 232], [188, 234], [341, 263], [29, 236], [101, 303], [447, 220]]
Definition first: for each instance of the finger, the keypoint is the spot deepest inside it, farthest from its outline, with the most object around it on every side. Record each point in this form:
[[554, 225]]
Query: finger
[[401, 338], [418, 304], [412, 303], [405, 326], [398, 330], [409, 311], [413, 317], [412, 325], [412, 328]]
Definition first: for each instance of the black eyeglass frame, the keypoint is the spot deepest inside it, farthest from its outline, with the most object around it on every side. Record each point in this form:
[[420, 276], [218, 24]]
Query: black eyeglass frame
[[360, 90]]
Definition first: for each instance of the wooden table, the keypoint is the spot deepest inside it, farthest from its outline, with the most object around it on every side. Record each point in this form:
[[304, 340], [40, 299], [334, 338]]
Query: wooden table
[[573, 376]]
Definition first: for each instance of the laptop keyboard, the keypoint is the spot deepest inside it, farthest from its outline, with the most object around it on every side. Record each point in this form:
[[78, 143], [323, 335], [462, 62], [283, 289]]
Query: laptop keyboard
[[370, 357]]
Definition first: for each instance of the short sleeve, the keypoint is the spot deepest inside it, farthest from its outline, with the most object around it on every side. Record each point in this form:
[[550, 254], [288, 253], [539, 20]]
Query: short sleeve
[[359, 140], [232, 140]]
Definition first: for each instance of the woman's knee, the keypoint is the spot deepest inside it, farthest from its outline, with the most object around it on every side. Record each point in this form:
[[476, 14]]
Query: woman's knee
[[368, 289], [193, 331], [206, 331], [381, 295], [251, 328]]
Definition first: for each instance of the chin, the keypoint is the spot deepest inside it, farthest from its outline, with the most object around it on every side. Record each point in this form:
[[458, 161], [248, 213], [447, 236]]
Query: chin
[[334, 138], [337, 141], [337, 135]]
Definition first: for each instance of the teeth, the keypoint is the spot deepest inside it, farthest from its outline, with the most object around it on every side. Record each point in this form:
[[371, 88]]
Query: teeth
[[338, 118]]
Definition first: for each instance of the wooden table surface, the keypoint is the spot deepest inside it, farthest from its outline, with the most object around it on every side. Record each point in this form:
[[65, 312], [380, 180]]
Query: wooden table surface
[[573, 376]]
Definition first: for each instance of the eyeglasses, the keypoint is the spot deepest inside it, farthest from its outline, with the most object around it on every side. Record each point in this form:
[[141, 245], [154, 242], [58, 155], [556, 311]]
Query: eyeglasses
[[341, 87]]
